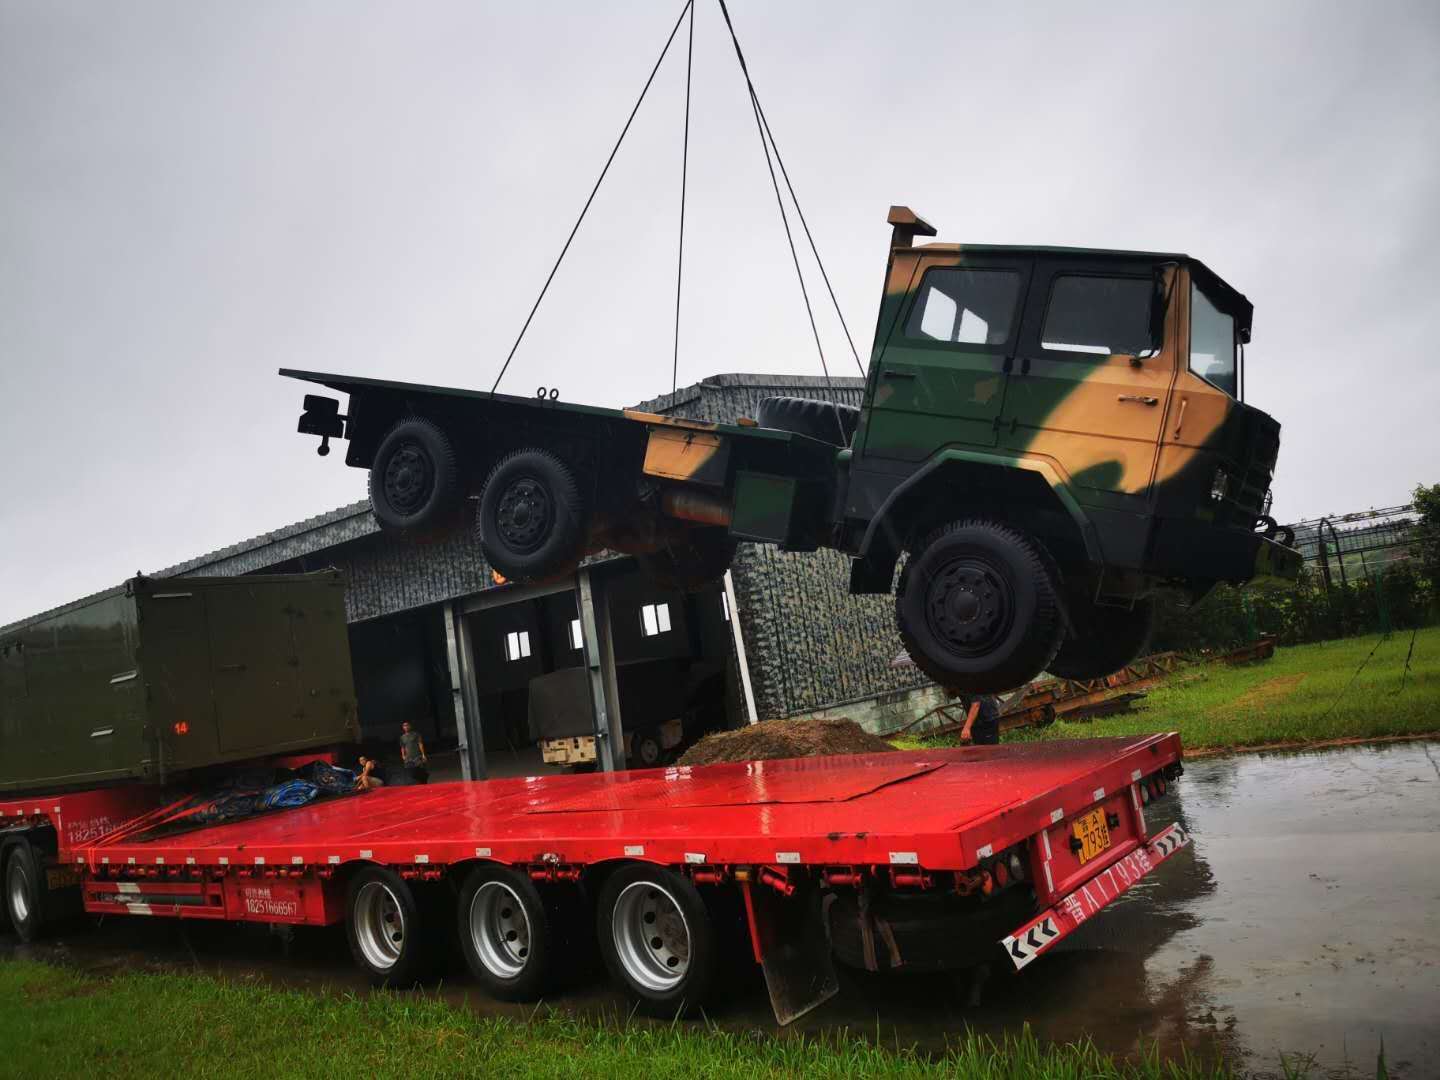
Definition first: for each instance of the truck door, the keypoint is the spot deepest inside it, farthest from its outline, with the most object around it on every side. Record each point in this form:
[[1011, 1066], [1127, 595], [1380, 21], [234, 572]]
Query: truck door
[[941, 377], [1093, 375]]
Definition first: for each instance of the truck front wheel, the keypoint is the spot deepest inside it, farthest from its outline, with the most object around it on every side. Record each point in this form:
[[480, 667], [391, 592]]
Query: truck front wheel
[[1102, 639], [531, 521], [657, 940], [415, 481], [978, 606]]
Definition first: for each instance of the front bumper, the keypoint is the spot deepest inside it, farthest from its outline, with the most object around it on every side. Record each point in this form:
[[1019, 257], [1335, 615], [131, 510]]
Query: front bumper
[[1192, 550]]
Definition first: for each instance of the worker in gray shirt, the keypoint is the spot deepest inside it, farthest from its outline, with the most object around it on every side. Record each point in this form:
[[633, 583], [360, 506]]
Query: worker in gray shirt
[[412, 754]]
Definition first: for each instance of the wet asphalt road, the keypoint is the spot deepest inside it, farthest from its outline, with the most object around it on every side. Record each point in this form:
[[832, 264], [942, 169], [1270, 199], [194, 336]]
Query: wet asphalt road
[[1305, 919]]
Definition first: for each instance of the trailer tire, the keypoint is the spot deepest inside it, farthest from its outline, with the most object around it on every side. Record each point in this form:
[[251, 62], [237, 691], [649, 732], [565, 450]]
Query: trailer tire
[[978, 606], [388, 932], [691, 563], [415, 481], [824, 420], [24, 891], [1102, 640], [532, 522], [506, 933], [657, 940]]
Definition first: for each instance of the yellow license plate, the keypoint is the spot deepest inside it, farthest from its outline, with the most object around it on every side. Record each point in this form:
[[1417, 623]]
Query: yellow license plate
[[1093, 834]]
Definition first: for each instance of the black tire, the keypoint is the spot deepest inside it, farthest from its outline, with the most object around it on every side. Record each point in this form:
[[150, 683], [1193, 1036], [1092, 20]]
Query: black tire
[[506, 933], [698, 560], [389, 933], [641, 906], [531, 522], [1102, 640], [978, 607], [415, 481], [648, 751], [24, 891], [823, 420]]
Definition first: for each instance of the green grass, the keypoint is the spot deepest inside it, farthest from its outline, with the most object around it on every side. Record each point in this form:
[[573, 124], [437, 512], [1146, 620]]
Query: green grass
[[1306, 694], [54, 1022]]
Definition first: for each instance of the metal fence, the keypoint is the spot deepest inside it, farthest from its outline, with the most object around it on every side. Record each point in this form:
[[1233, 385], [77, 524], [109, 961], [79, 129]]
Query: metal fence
[[1358, 545]]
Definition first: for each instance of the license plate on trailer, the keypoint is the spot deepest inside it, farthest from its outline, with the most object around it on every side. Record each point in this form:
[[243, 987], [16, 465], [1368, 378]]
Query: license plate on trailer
[[61, 877], [1092, 832]]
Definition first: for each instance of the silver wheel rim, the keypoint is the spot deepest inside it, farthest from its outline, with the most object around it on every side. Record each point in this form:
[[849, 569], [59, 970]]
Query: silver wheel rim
[[379, 925], [19, 892], [652, 938], [500, 930]]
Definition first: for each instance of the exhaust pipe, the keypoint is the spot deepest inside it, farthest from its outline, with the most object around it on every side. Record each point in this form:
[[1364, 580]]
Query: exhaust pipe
[[697, 506]]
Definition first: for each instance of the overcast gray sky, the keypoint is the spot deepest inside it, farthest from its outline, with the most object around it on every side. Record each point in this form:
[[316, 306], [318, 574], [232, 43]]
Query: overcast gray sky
[[195, 194]]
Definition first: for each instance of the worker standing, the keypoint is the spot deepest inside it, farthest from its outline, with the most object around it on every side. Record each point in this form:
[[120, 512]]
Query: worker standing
[[412, 754], [982, 721]]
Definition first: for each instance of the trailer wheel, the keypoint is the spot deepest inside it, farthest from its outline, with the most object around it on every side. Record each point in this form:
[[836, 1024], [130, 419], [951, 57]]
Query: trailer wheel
[[388, 935], [1103, 639], [24, 892], [531, 522], [415, 481], [505, 933], [657, 940], [978, 606], [686, 565]]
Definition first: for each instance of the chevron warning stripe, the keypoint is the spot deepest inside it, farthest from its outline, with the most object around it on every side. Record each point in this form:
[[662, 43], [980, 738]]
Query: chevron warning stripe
[[1026, 946], [1170, 841]]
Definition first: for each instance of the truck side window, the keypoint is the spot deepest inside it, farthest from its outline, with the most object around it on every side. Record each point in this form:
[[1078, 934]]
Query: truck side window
[[972, 307], [1212, 343], [1099, 315]]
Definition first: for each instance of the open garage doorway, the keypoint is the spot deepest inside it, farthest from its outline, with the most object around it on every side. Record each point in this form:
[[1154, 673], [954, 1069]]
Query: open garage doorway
[[675, 673]]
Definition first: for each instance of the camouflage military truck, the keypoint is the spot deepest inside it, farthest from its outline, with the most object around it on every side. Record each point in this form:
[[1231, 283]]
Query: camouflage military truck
[[1049, 436]]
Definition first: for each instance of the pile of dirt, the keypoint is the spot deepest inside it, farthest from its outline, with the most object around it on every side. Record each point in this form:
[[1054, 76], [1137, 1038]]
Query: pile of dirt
[[785, 739]]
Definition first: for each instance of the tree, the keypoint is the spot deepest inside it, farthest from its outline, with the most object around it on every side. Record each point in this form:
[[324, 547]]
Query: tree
[[1427, 531]]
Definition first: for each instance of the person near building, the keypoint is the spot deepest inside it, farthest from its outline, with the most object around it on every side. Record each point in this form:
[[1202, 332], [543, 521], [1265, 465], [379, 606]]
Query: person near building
[[412, 754], [982, 721]]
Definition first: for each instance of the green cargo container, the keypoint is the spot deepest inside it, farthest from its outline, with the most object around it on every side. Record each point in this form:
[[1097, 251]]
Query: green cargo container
[[163, 676]]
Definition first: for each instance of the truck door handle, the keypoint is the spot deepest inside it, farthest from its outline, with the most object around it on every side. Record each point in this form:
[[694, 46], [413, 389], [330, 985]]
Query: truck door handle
[[891, 374], [1140, 399]]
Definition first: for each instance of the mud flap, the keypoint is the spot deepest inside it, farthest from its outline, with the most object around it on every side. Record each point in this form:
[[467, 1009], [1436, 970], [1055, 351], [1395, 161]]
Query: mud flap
[[792, 948]]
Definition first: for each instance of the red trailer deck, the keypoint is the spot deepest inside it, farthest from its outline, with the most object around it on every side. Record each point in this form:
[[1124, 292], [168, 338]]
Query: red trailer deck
[[1056, 828]]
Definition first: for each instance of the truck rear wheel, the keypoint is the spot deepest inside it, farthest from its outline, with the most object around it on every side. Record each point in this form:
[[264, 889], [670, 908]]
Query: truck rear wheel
[[1102, 639], [531, 522], [505, 933], [389, 937], [415, 481], [657, 940], [24, 891], [685, 565], [978, 607], [823, 420]]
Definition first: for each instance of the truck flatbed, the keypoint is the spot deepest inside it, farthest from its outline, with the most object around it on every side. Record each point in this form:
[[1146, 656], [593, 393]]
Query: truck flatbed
[[1041, 835]]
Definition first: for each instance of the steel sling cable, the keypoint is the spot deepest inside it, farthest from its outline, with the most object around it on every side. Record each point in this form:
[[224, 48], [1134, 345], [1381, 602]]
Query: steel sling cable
[[784, 218], [684, 176], [614, 150]]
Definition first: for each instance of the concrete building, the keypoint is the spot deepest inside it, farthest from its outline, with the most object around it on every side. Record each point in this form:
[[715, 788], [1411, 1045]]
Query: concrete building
[[437, 641]]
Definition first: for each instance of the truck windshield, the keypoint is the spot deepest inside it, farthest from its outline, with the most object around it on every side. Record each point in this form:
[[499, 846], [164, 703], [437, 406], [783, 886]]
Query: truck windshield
[[1212, 343]]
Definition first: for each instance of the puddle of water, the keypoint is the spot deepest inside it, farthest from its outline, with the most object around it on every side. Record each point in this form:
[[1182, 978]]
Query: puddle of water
[[1305, 918]]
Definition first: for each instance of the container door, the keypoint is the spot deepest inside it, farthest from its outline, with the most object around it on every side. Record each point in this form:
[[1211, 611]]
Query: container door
[[941, 379], [175, 657], [1093, 376], [254, 668]]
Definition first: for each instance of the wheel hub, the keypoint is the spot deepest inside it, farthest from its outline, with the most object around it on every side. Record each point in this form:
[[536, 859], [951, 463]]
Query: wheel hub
[[968, 606], [652, 939], [379, 926], [500, 930], [409, 478], [524, 514], [19, 892]]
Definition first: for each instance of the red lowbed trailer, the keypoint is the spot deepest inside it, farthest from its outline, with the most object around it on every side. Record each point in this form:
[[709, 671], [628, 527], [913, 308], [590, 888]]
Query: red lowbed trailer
[[910, 860]]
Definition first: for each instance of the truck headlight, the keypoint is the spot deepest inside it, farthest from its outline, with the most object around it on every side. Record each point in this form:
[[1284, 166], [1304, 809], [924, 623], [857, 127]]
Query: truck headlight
[[1219, 485]]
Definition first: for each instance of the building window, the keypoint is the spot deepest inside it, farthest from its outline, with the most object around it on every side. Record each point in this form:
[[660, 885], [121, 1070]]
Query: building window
[[577, 640], [965, 307], [655, 619], [1101, 316], [725, 605], [517, 645]]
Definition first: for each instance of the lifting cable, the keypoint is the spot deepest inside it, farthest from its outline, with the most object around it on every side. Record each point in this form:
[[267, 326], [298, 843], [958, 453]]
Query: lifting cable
[[684, 176], [615, 149]]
